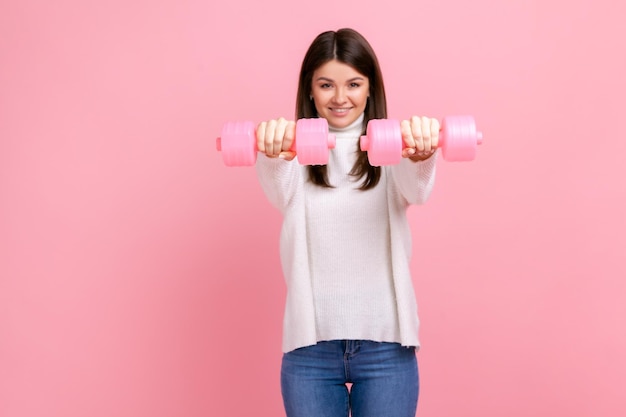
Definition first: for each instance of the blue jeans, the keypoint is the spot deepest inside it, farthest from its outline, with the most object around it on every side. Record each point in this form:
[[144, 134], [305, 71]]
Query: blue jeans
[[384, 378]]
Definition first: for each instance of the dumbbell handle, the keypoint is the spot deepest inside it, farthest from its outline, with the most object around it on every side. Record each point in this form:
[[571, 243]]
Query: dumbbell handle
[[311, 144], [331, 143], [458, 139], [441, 139]]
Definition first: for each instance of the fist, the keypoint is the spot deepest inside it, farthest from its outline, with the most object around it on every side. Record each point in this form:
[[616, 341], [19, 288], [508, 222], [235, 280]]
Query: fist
[[275, 138], [420, 136]]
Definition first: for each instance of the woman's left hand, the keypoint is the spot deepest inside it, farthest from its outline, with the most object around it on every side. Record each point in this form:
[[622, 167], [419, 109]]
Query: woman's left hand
[[420, 136]]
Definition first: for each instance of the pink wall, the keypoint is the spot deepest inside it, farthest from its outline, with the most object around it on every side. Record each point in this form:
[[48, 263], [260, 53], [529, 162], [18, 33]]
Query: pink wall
[[140, 277]]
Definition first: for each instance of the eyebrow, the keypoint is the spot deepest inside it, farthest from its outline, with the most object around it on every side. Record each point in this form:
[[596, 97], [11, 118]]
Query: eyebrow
[[331, 80]]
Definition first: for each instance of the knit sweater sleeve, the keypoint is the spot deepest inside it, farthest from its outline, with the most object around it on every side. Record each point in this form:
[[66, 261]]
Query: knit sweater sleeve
[[279, 179], [414, 180]]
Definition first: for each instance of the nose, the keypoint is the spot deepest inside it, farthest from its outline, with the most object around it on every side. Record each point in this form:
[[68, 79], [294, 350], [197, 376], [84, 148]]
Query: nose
[[340, 96]]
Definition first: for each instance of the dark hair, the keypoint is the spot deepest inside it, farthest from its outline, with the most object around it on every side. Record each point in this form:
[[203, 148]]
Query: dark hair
[[349, 47]]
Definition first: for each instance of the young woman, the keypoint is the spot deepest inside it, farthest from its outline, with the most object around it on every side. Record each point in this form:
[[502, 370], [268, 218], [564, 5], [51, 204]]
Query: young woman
[[345, 246]]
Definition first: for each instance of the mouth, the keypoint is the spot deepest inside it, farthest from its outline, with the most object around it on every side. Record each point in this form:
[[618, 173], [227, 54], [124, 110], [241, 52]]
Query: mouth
[[341, 110]]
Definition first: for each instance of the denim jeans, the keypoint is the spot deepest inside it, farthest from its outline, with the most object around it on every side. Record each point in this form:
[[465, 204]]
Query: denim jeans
[[384, 378]]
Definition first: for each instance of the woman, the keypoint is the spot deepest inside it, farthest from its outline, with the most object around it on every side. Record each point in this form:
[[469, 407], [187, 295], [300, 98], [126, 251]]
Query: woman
[[351, 314]]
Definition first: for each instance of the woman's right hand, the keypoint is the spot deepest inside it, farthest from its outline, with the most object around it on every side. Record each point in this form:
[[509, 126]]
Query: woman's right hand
[[275, 138]]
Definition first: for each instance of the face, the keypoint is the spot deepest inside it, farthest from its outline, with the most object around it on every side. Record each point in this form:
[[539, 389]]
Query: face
[[339, 92]]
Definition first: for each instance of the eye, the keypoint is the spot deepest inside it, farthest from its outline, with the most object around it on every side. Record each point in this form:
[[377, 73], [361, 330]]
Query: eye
[[325, 85], [355, 85]]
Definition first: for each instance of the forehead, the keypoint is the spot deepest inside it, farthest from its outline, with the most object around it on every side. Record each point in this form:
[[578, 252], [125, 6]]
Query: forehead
[[337, 71]]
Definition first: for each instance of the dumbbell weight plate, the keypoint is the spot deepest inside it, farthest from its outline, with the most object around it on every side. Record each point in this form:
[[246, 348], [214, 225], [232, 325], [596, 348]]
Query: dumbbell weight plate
[[383, 142], [458, 138], [238, 144], [312, 142]]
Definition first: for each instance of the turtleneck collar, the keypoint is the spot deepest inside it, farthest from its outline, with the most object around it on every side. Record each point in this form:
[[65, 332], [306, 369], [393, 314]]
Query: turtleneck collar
[[355, 128]]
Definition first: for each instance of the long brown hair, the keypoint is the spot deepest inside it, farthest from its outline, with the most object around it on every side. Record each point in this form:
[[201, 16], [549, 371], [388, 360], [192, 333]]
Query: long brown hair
[[349, 47]]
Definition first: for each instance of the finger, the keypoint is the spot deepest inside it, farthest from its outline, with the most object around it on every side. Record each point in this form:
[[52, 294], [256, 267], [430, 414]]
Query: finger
[[407, 139], [270, 130], [290, 136], [287, 155], [416, 129], [425, 126], [434, 133], [279, 135], [260, 136]]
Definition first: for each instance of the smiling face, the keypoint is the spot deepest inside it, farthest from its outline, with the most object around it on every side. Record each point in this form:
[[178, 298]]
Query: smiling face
[[339, 92]]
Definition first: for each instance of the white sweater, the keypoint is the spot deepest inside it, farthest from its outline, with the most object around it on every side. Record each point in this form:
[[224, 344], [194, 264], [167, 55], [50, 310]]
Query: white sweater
[[345, 253]]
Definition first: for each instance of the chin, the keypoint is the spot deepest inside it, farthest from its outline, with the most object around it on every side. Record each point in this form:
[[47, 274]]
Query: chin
[[337, 123], [340, 122]]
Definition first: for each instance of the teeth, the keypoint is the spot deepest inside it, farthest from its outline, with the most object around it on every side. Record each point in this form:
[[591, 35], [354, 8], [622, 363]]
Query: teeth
[[340, 110]]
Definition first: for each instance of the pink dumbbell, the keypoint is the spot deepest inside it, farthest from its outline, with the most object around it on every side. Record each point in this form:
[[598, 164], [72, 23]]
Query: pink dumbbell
[[458, 139], [311, 145]]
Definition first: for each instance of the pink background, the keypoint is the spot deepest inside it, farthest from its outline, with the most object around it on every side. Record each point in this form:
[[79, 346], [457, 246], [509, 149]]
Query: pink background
[[140, 277]]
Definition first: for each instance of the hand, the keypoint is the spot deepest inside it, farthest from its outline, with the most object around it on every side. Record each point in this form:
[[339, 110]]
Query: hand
[[420, 136], [275, 138]]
